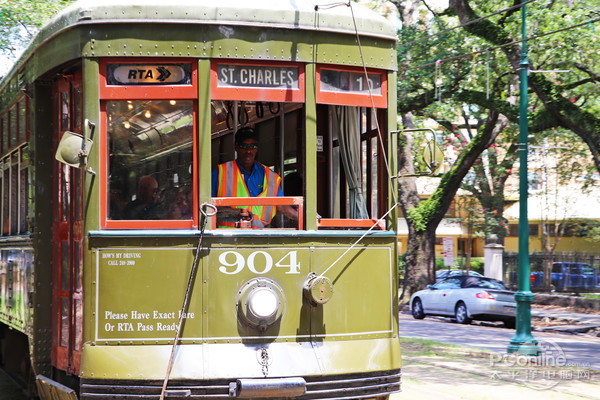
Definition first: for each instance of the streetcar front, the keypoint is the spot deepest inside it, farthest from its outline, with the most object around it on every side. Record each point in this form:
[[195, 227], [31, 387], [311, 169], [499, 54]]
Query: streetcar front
[[199, 279]]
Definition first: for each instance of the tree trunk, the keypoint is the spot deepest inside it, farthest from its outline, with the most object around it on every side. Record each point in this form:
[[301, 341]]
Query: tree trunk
[[421, 258], [547, 274]]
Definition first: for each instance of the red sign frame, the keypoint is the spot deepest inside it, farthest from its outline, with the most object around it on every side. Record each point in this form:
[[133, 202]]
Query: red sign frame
[[276, 94], [353, 98], [140, 92], [145, 92]]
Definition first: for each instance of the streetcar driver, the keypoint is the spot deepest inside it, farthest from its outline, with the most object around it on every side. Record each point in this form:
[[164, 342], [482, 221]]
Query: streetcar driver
[[246, 177]]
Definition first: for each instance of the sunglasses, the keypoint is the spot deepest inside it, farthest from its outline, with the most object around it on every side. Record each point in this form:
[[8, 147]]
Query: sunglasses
[[248, 146]]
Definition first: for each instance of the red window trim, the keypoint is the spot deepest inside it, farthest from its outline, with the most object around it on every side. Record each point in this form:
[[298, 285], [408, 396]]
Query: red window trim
[[147, 92], [142, 224], [144, 92], [262, 201], [261, 94], [352, 99]]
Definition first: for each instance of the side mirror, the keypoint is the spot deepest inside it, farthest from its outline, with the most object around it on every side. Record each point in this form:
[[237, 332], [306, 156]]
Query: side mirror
[[74, 148], [430, 287]]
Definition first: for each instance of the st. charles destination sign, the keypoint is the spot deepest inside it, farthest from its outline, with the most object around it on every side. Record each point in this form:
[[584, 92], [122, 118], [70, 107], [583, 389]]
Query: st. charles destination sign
[[257, 76]]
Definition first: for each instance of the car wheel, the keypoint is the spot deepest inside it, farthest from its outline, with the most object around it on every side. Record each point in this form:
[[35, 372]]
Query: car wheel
[[417, 309], [461, 314], [510, 323]]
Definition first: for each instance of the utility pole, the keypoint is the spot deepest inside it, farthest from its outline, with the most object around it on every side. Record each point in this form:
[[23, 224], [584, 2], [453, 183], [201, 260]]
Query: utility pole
[[523, 341]]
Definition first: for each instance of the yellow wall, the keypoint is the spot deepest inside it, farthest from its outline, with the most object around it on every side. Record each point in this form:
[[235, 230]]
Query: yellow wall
[[573, 244]]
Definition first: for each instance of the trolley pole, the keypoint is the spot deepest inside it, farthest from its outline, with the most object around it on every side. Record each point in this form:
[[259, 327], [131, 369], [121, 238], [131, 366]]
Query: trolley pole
[[523, 341]]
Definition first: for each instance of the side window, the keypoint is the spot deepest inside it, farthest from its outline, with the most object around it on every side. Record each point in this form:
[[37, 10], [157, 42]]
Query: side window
[[148, 139], [150, 159], [556, 268], [13, 126], [351, 167], [14, 171], [2, 133], [450, 283]]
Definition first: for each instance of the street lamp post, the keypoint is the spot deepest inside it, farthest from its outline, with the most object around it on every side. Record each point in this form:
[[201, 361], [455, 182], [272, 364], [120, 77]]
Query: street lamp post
[[523, 341]]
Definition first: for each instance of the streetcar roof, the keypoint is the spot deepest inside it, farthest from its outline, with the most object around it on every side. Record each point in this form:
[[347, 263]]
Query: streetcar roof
[[303, 15], [313, 15]]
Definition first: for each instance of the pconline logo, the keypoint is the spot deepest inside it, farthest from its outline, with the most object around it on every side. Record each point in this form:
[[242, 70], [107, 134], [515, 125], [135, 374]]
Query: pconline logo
[[541, 372]]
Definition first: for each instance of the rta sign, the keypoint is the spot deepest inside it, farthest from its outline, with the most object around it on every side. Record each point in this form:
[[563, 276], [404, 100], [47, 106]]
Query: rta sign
[[148, 74]]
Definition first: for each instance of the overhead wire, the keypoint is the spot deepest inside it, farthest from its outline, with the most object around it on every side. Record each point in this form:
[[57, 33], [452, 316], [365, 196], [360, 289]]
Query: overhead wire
[[467, 23], [471, 54], [379, 134]]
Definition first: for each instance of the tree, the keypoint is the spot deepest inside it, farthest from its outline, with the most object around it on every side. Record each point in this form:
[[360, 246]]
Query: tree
[[433, 71], [21, 19], [559, 109], [487, 179]]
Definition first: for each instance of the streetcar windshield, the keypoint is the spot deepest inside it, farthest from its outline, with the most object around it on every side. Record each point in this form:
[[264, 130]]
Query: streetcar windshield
[[258, 164], [270, 153]]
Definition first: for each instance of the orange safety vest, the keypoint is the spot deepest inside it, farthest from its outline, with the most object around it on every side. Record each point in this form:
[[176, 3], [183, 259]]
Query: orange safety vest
[[232, 184]]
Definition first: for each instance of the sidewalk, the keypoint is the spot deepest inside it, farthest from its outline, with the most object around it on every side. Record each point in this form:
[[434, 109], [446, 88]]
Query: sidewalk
[[573, 322], [450, 372], [438, 371], [424, 379]]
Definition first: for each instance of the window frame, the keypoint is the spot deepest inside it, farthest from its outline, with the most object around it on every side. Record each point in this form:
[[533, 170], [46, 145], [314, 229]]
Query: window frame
[[349, 98], [239, 93], [145, 93]]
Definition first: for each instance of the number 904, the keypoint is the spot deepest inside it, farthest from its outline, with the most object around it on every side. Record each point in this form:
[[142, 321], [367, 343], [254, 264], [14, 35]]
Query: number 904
[[258, 262]]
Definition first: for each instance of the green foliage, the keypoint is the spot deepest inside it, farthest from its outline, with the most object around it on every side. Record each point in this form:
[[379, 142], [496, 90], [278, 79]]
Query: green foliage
[[593, 234], [459, 79], [590, 295], [489, 71], [477, 264], [20, 20], [420, 215], [401, 267]]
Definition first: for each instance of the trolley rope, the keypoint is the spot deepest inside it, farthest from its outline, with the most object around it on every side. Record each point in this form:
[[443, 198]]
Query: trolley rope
[[379, 134], [188, 291], [359, 239], [369, 88], [374, 110]]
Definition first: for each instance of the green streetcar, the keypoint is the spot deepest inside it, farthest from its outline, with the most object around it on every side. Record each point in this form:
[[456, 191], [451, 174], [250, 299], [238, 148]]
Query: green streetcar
[[108, 292]]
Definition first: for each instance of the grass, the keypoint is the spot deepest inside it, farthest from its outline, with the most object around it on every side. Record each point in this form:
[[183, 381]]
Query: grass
[[428, 348], [591, 295]]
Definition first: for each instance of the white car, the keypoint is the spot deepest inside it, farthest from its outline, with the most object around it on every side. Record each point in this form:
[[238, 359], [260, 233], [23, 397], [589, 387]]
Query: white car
[[466, 298]]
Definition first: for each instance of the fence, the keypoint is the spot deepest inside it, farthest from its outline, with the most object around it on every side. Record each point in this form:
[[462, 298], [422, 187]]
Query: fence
[[538, 260]]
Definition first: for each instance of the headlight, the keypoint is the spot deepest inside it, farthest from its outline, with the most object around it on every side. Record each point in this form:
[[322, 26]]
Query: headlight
[[260, 303], [263, 302]]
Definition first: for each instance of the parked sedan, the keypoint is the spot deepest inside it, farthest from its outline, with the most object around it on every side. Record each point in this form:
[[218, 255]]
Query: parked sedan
[[466, 298]]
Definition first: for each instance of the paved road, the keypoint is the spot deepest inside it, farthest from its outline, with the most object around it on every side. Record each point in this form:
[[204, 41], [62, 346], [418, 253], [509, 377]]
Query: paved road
[[579, 350]]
